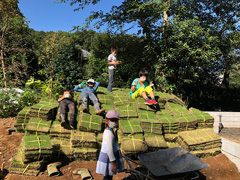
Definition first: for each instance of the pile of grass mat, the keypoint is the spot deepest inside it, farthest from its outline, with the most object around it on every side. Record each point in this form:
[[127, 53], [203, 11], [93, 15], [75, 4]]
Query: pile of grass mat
[[77, 98], [133, 144], [170, 137], [105, 99], [57, 130], [38, 126], [130, 126], [207, 152], [85, 154], [176, 109], [36, 148], [128, 111], [142, 114], [151, 126], [164, 96], [121, 100], [62, 149], [199, 139], [186, 122], [169, 123], [204, 120], [155, 142], [22, 119], [90, 122], [18, 167], [99, 139], [83, 139], [45, 110]]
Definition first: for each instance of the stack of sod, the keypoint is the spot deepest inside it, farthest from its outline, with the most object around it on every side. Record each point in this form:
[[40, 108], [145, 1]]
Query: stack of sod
[[130, 126], [155, 142], [142, 114], [169, 123], [172, 144], [127, 111], [29, 169], [77, 98], [105, 99], [44, 110], [62, 149], [83, 139], [38, 126], [207, 152], [85, 154], [151, 126], [36, 148], [22, 119], [100, 139], [164, 96], [199, 139], [177, 100], [120, 100], [186, 122], [163, 112], [176, 109], [133, 144], [57, 130], [204, 119], [90, 123], [170, 137]]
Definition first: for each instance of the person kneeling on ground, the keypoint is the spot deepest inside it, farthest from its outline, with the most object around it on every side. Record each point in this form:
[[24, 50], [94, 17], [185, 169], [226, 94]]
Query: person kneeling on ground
[[88, 93], [140, 87], [110, 157], [67, 101]]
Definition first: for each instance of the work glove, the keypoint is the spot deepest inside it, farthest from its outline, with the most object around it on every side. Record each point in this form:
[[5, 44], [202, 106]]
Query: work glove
[[83, 84]]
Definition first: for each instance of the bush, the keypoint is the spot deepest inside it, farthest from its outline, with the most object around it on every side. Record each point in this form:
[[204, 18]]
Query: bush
[[12, 102]]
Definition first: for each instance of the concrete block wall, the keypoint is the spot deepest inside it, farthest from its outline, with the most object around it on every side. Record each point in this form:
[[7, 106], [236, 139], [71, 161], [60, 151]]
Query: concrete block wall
[[229, 148], [228, 119]]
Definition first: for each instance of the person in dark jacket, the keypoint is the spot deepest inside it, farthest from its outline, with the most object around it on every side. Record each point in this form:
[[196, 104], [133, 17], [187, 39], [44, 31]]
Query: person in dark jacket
[[66, 101]]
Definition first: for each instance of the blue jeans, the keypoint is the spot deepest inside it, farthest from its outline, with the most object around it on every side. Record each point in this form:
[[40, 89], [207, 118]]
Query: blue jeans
[[85, 95], [111, 72]]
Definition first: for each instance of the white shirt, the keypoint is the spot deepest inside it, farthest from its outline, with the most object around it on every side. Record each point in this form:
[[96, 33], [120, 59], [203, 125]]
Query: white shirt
[[112, 58]]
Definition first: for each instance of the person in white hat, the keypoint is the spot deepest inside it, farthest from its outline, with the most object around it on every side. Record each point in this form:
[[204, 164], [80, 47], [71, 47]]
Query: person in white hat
[[88, 90]]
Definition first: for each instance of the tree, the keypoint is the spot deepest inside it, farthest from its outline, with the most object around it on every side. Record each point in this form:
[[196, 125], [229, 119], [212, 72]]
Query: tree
[[219, 16], [8, 11]]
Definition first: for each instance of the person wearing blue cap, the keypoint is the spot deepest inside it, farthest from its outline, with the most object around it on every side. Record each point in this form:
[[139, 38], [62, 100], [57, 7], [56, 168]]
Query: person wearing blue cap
[[110, 157]]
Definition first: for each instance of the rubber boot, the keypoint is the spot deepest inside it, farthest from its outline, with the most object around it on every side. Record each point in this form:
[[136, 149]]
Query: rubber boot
[[52, 169], [63, 121]]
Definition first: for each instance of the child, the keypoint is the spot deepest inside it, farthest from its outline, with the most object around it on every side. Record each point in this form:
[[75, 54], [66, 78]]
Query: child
[[140, 87], [112, 63], [110, 157], [88, 92], [67, 101]]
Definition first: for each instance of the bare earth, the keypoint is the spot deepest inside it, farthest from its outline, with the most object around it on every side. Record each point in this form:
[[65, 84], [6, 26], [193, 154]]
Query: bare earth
[[221, 168]]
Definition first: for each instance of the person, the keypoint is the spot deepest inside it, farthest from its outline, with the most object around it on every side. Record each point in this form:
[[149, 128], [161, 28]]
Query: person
[[67, 101], [88, 89], [141, 87], [110, 157], [112, 64]]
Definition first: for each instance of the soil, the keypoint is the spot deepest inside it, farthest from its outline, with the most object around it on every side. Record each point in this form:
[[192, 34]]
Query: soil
[[221, 168]]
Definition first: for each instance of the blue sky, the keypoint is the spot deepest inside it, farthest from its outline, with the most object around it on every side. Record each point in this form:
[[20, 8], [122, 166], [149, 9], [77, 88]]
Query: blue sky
[[45, 15]]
